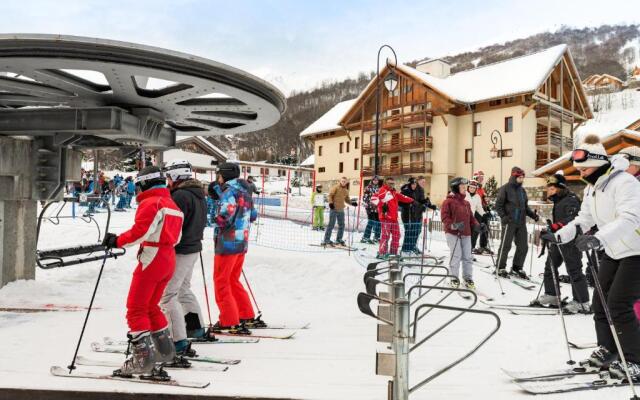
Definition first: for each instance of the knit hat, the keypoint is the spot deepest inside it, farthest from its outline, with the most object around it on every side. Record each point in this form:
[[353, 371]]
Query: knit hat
[[412, 180], [633, 154], [557, 180], [590, 153], [517, 171], [229, 171]]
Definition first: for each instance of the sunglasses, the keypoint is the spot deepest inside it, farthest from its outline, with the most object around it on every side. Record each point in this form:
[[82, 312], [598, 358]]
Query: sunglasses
[[580, 155]]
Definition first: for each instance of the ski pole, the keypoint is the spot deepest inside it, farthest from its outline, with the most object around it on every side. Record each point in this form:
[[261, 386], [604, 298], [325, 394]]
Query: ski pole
[[251, 291], [206, 292], [556, 284], [593, 265], [533, 239], [72, 366], [496, 265]]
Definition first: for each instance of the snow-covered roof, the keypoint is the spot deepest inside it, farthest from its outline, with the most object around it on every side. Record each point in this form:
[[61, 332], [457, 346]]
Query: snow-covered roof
[[330, 120], [204, 143], [501, 79], [197, 160], [612, 112], [309, 161], [271, 165]]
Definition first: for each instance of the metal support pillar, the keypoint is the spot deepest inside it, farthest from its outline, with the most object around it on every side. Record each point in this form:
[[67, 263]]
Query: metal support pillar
[[401, 342]]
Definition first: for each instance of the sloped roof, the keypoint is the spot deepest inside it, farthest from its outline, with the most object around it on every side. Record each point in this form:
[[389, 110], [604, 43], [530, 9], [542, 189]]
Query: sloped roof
[[309, 161], [616, 111], [610, 77], [214, 150], [330, 120]]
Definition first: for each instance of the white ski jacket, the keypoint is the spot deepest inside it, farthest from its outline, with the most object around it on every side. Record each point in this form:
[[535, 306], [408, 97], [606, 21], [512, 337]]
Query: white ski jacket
[[613, 205], [476, 203]]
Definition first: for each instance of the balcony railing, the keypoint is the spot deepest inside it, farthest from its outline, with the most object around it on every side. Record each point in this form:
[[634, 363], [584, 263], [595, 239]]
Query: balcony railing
[[397, 120], [542, 139], [398, 144], [416, 167], [542, 113]]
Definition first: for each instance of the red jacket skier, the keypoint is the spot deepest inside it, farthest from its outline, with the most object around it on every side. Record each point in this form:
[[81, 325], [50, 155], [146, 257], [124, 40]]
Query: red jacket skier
[[157, 228], [387, 202]]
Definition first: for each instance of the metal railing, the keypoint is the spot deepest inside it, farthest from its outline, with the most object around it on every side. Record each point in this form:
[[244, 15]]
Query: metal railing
[[394, 315], [417, 167], [395, 145]]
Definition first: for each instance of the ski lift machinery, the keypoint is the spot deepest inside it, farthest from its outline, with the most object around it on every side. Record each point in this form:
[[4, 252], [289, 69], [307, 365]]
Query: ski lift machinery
[[61, 95]]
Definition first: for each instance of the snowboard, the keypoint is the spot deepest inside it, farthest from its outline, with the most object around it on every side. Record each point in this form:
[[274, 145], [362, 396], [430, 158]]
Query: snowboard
[[59, 371]]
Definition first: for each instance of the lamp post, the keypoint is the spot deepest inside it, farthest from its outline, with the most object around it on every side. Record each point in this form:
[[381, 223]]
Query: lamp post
[[495, 135], [390, 82]]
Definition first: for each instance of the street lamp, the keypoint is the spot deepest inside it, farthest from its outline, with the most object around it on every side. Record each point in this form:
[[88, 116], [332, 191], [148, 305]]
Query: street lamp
[[390, 82], [495, 135]]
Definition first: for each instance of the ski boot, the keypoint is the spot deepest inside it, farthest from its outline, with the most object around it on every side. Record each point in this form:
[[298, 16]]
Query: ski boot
[[375, 240], [486, 251], [416, 252], [201, 335], [165, 349], [328, 243], [178, 362], [157, 374], [502, 272], [366, 241], [254, 323], [574, 307], [545, 300], [599, 360], [519, 273], [239, 329], [454, 283], [183, 349], [340, 243], [617, 371], [143, 356], [469, 284], [383, 257], [477, 251]]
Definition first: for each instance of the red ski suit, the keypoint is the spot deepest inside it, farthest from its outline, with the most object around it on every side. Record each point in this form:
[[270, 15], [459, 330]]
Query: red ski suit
[[157, 228], [389, 219]]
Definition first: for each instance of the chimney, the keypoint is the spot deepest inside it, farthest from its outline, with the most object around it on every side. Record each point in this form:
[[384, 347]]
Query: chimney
[[438, 68]]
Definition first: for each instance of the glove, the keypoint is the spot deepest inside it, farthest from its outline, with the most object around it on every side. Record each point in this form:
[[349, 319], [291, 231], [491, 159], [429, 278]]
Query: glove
[[331, 206], [385, 208], [566, 233], [110, 240], [588, 242], [477, 228], [457, 226], [354, 203], [556, 227], [548, 236], [433, 207], [536, 217]]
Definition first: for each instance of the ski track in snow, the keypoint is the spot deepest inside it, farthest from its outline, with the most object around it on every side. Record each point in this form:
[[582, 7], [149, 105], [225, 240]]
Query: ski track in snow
[[333, 359]]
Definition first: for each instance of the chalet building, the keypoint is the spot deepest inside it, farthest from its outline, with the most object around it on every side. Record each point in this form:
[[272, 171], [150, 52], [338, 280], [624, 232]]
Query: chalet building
[[603, 82], [635, 74], [439, 124]]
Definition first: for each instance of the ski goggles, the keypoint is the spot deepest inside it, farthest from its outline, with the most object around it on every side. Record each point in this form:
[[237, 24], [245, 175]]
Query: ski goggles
[[630, 157], [153, 175], [580, 155], [178, 166]]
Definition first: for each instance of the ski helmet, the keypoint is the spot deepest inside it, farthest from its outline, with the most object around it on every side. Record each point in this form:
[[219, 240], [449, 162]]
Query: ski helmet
[[456, 182], [178, 170], [229, 171], [150, 176]]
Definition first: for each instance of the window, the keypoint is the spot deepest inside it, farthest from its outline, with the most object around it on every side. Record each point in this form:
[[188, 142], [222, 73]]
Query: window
[[505, 153], [395, 111], [348, 143], [356, 164], [508, 124], [341, 147], [356, 144], [510, 100], [244, 170], [321, 169], [372, 140], [468, 156], [319, 150], [417, 132], [372, 160], [340, 167], [421, 107], [494, 103], [248, 170], [476, 128], [416, 157]]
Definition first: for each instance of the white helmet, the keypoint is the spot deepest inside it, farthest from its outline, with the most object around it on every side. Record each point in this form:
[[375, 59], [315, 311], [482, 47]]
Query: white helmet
[[178, 170]]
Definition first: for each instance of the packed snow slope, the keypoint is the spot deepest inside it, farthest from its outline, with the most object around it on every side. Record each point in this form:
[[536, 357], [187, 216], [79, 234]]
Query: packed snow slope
[[333, 359]]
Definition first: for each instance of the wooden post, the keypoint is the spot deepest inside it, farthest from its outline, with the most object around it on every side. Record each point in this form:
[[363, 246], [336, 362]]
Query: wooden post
[[561, 105], [548, 84], [262, 192], [359, 201], [313, 189], [286, 199]]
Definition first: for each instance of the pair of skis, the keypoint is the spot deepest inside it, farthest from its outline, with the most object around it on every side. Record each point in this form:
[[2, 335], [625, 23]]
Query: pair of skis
[[563, 380], [525, 284]]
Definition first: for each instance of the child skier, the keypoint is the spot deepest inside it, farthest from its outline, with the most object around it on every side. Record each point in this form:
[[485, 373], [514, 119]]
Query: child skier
[[387, 202], [459, 222], [317, 202], [157, 228]]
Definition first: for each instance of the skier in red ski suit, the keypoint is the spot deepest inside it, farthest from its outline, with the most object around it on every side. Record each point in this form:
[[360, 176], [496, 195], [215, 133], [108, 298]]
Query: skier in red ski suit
[[387, 202], [157, 228]]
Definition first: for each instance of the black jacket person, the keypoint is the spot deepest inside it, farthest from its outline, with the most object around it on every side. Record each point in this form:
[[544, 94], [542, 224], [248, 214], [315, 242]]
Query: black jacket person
[[512, 205]]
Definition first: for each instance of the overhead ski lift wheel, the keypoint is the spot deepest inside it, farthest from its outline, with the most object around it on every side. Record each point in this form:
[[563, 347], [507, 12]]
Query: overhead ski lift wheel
[[77, 254], [60, 95]]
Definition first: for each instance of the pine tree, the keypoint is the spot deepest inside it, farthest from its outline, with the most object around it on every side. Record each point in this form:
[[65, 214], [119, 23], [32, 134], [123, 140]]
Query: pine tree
[[491, 189]]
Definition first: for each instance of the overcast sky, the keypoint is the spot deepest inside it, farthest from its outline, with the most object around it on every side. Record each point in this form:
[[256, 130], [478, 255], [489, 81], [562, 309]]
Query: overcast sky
[[298, 44]]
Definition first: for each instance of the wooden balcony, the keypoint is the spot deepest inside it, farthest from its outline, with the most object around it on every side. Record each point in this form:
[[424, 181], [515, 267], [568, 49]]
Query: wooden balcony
[[396, 121], [557, 141], [542, 115], [417, 167], [399, 144]]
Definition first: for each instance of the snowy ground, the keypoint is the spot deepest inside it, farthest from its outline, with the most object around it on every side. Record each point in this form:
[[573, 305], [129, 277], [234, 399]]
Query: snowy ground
[[334, 359]]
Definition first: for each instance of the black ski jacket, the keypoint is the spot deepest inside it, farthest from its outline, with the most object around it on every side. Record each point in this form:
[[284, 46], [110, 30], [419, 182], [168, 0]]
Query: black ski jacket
[[189, 197], [512, 203], [413, 212], [566, 206]]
